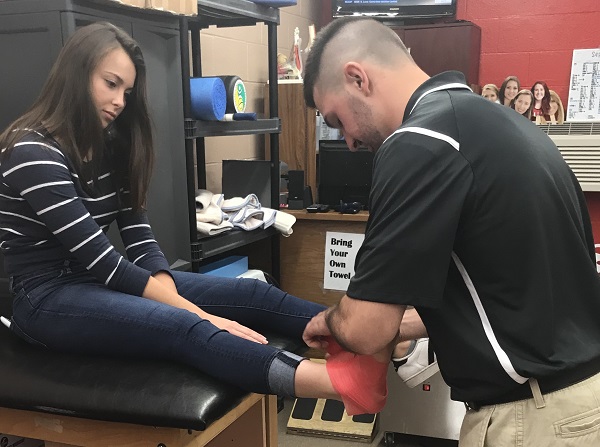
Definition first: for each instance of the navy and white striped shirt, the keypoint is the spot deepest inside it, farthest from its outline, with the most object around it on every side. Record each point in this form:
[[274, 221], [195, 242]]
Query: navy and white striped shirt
[[46, 217]]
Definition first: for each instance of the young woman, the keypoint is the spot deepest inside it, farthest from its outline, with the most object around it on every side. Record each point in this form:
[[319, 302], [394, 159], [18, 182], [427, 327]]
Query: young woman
[[541, 101], [490, 92], [508, 90], [79, 159], [522, 103], [556, 113]]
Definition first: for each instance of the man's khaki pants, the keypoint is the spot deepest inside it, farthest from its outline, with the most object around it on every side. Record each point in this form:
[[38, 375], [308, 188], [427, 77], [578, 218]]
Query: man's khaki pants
[[564, 418]]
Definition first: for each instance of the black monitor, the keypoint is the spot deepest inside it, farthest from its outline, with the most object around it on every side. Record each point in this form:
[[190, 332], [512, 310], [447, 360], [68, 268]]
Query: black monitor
[[344, 175]]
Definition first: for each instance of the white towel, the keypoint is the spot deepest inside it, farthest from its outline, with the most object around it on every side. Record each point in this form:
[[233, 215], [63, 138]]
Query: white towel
[[244, 214], [249, 224], [269, 217], [207, 208], [284, 222], [237, 203], [215, 214], [209, 229]]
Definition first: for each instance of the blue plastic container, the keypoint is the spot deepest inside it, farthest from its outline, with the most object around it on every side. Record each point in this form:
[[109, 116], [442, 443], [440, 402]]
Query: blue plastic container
[[229, 267]]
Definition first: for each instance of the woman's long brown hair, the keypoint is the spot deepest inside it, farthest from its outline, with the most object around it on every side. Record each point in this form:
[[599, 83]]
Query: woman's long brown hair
[[66, 111]]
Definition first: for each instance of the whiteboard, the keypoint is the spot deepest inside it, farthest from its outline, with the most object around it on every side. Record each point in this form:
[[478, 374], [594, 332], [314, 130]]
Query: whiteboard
[[584, 88]]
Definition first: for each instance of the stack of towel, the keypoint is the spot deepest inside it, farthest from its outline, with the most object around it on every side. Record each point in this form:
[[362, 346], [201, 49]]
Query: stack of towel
[[215, 214]]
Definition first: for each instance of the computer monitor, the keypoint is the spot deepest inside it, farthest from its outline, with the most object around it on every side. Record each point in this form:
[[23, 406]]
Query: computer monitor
[[343, 175]]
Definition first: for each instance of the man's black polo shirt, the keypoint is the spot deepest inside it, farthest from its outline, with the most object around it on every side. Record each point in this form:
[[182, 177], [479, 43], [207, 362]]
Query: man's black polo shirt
[[478, 222]]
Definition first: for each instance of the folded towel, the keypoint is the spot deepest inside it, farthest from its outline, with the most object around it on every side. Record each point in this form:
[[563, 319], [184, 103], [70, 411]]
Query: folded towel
[[237, 203], [209, 229], [244, 214], [207, 208], [215, 214], [249, 224], [284, 222], [269, 217]]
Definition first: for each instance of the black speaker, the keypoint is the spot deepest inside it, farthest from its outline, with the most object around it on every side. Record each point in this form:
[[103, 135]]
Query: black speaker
[[299, 195], [295, 185]]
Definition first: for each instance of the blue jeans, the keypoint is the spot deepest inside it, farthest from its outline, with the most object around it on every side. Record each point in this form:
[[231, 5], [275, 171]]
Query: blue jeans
[[68, 310]]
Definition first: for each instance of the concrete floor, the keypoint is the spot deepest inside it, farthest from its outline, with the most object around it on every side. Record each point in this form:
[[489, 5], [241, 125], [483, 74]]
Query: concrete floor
[[293, 440]]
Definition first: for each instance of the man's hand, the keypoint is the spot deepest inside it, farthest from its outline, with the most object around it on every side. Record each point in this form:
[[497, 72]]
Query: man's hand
[[316, 330]]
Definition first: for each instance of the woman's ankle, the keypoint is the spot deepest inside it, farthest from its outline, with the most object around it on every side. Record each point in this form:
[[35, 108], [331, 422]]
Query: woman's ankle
[[312, 380]]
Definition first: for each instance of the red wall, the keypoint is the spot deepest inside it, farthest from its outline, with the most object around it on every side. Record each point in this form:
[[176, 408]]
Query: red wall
[[533, 40]]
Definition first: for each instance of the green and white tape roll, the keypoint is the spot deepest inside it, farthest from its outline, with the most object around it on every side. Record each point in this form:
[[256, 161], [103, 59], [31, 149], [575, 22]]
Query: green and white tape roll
[[236, 94]]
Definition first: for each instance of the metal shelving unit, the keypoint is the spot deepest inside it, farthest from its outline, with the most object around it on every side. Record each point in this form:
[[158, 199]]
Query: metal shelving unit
[[227, 13], [202, 129]]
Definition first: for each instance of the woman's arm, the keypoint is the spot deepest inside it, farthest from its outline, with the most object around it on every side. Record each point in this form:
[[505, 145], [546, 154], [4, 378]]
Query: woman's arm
[[139, 240], [166, 280], [163, 291], [54, 212]]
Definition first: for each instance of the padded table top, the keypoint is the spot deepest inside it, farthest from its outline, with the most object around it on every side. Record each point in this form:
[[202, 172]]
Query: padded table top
[[147, 392]]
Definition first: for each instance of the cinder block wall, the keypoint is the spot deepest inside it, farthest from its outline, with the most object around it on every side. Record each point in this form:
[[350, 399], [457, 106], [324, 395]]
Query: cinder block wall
[[242, 51]]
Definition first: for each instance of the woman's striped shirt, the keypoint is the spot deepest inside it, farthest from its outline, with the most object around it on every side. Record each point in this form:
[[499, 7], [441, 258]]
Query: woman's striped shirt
[[46, 218]]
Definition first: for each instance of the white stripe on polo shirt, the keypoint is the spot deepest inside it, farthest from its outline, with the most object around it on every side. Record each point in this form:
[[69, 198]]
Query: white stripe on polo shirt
[[438, 88], [487, 327], [430, 133]]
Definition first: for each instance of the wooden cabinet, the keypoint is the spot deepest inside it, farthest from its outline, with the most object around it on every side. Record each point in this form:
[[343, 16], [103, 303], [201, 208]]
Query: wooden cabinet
[[444, 46], [297, 141]]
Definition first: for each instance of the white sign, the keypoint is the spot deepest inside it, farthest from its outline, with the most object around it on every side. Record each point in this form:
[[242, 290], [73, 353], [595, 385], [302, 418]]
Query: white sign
[[340, 254], [584, 89]]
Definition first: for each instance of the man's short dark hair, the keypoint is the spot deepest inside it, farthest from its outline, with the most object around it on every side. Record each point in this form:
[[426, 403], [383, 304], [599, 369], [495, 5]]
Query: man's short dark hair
[[312, 68]]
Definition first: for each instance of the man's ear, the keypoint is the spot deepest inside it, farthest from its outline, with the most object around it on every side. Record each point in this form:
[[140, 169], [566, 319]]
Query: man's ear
[[356, 76]]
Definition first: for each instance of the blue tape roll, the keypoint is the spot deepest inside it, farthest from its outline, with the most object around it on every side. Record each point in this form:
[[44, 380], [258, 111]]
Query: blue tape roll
[[209, 98]]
